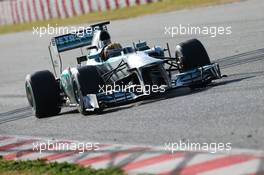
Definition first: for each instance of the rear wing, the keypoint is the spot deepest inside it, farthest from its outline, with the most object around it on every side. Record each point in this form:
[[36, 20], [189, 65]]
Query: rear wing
[[77, 39], [74, 40]]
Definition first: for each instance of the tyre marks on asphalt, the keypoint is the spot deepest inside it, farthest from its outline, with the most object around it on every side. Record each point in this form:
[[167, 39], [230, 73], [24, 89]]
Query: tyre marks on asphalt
[[227, 62], [12, 96], [15, 114], [240, 59]]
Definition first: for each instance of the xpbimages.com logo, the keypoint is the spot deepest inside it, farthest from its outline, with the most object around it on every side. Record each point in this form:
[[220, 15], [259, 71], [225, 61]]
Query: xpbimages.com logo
[[62, 30], [52, 145], [212, 31], [192, 146], [138, 89]]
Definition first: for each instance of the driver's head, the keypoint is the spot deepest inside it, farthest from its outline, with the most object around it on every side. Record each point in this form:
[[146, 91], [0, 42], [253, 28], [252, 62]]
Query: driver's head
[[107, 49], [104, 39]]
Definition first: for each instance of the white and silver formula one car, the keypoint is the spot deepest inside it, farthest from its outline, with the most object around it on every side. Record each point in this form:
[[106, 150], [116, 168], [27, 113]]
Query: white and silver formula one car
[[111, 74]]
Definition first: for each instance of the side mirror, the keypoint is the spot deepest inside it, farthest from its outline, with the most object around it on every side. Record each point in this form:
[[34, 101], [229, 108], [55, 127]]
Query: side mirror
[[91, 47], [141, 46], [81, 59]]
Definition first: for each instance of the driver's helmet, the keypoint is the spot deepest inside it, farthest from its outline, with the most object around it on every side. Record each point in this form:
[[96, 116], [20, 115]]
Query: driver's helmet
[[104, 39], [111, 47]]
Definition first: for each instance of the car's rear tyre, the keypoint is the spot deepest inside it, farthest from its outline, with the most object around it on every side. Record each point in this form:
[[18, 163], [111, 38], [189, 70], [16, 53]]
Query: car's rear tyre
[[190, 55], [43, 94], [87, 81]]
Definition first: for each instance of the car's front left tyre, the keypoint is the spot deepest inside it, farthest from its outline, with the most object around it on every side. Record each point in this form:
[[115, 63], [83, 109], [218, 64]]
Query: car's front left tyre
[[191, 54], [43, 94]]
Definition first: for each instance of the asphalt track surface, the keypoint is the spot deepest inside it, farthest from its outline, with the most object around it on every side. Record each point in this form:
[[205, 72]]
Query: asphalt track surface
[[230, 110]]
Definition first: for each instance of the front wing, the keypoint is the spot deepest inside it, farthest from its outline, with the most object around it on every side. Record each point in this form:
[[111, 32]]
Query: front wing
[[201, 75]]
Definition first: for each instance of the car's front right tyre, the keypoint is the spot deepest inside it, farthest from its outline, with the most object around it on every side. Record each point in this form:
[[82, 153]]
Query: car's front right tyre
[[43, 94], [87, 81]]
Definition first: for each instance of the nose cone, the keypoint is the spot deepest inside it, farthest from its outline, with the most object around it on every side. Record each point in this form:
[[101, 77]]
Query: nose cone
[[138, 60]]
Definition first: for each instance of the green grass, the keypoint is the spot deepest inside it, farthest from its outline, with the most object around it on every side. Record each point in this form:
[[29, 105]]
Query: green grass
[[38, 167], [163, 6]]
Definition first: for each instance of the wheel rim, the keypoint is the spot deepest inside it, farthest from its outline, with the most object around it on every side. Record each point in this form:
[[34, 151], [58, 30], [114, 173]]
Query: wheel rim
[[76, 93], [29, 95], [78, 98], [179, 61]]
